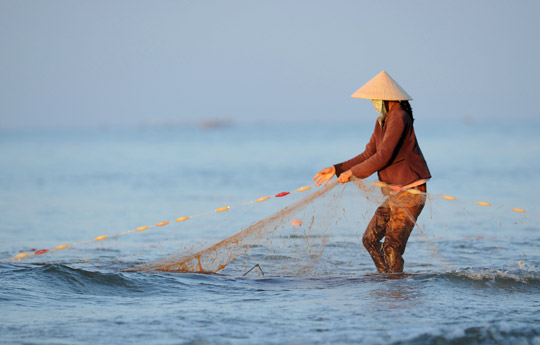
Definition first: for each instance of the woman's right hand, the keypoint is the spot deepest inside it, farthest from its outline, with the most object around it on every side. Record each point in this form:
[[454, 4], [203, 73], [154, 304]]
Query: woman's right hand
[[323, 176]]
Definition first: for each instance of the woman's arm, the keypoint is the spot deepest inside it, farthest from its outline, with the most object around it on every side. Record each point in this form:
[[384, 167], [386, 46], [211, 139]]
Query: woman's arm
[[371, 149], [395, 128]]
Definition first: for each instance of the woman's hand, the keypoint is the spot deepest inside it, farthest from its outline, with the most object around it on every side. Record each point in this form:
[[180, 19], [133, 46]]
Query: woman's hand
[[323, 176], [345, 176]]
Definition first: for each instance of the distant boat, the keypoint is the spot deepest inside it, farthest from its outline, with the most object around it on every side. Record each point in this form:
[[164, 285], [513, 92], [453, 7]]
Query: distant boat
[[212, 124]]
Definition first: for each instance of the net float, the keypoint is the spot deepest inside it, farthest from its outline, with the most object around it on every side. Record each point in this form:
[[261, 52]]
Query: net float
[[302, 189], [296, 222]]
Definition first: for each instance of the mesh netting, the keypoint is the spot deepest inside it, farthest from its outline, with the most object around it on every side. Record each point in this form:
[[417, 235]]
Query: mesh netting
[[314, 232], [319, 234]]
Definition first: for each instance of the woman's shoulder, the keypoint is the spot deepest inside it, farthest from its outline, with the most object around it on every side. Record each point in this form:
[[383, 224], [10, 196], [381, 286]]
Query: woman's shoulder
[[398, 114]]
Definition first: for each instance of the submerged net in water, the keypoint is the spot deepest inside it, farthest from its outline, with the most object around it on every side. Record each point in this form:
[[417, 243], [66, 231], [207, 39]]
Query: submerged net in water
[[320, 234], [281, 238]]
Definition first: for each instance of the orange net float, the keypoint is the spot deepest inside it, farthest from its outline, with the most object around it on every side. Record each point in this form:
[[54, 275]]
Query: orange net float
[[223, 209], [41, 251], [61, 247], [279, 195], [448, 197], [162, 223], [142, 228], [263, 198], [296, 222], [483, 203], [518, 210], [101, 238], [303, 189], [20, 256], [181, 219]]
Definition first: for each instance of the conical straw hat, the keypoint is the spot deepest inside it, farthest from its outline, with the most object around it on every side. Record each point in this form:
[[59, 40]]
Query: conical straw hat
[[382, 86]]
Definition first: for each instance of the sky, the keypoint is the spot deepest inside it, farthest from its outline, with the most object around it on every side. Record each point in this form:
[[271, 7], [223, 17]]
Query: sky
[[94, 63]]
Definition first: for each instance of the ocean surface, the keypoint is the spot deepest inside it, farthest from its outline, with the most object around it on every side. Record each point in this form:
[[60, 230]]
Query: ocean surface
[[472, 273]]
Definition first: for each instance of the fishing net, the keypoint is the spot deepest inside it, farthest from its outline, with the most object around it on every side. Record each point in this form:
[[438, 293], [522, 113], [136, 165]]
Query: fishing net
[[293, 240], [309, 231], [290, 240]]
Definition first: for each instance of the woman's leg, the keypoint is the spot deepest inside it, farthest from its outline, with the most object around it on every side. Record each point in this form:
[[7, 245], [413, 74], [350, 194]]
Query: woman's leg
[[374, 233]]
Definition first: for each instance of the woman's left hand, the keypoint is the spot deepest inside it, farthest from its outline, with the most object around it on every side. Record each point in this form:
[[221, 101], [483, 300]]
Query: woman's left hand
[[345, 176], [324, 176]]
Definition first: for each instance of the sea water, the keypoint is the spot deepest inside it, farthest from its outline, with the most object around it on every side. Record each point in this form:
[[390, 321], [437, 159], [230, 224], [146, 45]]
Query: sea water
[[67, 185]]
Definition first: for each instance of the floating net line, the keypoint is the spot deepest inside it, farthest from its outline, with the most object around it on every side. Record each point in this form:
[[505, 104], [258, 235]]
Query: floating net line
[[313, 231]]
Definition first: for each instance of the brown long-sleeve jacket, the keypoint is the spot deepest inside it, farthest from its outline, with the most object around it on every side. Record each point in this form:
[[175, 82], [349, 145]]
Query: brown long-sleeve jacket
[[392, 151]]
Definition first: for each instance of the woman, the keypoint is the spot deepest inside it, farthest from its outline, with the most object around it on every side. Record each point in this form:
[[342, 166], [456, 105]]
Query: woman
[[393, 153]]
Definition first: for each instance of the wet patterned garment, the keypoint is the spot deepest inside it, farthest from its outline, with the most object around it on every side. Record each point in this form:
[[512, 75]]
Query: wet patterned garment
[[394, 220]]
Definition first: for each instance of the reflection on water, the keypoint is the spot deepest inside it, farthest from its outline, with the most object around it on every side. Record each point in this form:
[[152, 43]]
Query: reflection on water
[[395, 291]]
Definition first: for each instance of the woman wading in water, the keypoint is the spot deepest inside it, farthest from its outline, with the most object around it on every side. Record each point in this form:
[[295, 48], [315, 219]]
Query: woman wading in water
[[393, 153]]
